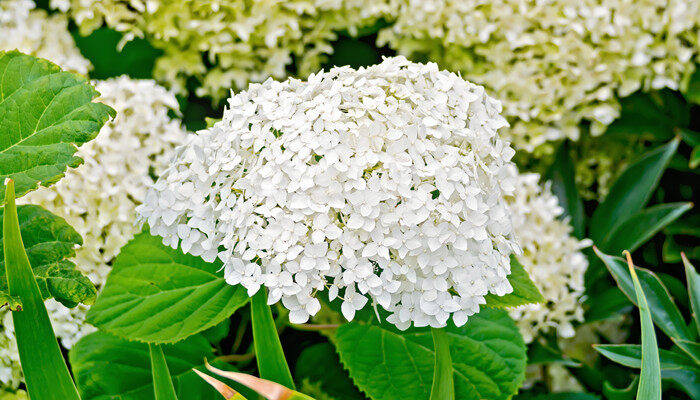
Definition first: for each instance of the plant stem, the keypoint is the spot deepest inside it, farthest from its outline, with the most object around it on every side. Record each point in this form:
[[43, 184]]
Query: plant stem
[[44, 369], [268, 350], [443, 375]]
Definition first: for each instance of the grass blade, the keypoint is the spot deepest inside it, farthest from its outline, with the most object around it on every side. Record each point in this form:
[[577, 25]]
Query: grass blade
[[650, 377], [268, 350], [45, 371], [443, 377], [693, 282], [162, 383]]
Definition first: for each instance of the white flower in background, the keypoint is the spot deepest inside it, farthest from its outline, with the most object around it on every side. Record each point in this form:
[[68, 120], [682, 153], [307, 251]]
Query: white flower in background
[[99, 198], [34, 32], [229, 43], [383, 185], [553, 62], [552, 258]]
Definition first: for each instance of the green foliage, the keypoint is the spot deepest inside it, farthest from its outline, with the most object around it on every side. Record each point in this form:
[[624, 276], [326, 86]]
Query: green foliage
[[44, 114], [524, 290], [158, 294], [268, 350], [443, 387], [319, 366], [48, 242], [106, 366], [488, 358], [693, 279], [561, 174], [45, 371], [162, 383]]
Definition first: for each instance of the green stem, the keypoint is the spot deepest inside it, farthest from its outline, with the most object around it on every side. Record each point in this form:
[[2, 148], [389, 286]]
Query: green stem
[[443, 375], [268, 350], [162, 382], [45, 371]]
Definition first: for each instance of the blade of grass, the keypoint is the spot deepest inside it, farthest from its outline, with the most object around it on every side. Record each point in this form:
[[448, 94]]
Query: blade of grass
[[650, 377], [693, 282], [443, 377], [162, 382], [268, 350], [45, 371]]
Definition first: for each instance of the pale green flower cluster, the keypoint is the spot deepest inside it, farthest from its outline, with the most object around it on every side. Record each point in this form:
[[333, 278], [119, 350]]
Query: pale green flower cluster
[[553, 63], [229, 43]]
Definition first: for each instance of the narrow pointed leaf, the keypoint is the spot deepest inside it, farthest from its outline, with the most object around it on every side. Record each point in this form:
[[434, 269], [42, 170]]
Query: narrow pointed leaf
[[224, 389], [693, 282], [692, 349], [524, 289], [45, 371], [44, 114], [272, 364], [631, 190], [640, 227], [664, 311], [613, 393], [160, 295], [162, 383], [268, 389], [443, 376], [650, 377], [562, 175]]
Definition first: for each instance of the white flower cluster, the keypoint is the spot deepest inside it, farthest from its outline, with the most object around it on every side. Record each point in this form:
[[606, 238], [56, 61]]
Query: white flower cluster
[[229, 43], [385, 182], [99, 198], [34, 32], [552, 258], [553, 62]]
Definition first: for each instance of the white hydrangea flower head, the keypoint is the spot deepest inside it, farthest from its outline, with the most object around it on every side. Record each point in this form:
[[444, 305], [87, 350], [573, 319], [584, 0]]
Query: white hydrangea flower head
[[553, 62], [34, 32], [383, 184], [242, 41], [551, 256]]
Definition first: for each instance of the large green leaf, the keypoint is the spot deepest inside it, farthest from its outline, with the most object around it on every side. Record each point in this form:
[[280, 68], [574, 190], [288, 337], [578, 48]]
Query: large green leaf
[[44, 114], [562, 175], [269, 355], [107, 367], [663, 310], [640, 227], [160, 295], [631, 190], [488, 356], [45, 371], [163, 387], [524, 290], [319, 367], [48, 241]]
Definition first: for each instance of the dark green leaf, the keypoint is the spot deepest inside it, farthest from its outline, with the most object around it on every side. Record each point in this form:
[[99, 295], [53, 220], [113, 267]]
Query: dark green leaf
[[693, 281], [268, 350], [106, 366], [662, 308], [45, 371], [488, 357], [562, 175], [631, 190], [524, 290], [640, 227], [628, 393], [318, 366], [630, 355], [161, 295], [692, 93], [48, 241], [44, 114], [162, 383], [692, 349]]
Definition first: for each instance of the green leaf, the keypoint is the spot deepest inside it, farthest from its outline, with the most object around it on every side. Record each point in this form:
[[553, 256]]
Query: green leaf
[[443, 387], [557, 396], [692, 349], [613, 393], [272, 365], [692, 93], [48, 241], [45, 371], [662, 308], [44, 114], [158, 294], [693, 281], [318, 366], [545, 353], [162, 384], [107, 367], [640, 227], [630, 355], [488, 356], [631, 190], [650, 377], [12, 302], [524, 290], [562, 175]]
